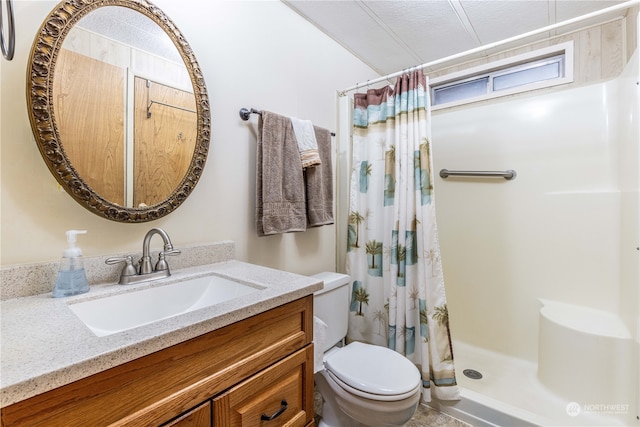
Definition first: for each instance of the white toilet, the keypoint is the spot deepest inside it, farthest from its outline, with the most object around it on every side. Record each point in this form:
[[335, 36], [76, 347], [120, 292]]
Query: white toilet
[[361, 384]]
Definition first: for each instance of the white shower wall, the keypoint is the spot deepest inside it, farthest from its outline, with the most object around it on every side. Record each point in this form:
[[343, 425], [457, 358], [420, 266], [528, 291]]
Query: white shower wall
[[554, 232]]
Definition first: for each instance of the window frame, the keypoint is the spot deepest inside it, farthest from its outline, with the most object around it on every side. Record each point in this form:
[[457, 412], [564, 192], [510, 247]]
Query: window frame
[[507, 66]]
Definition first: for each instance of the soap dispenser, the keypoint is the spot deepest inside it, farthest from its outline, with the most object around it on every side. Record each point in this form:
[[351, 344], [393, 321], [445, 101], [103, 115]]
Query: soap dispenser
[[72, 279]]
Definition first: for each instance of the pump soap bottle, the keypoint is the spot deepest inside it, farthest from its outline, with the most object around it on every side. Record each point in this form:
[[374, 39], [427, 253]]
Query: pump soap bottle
[[72, 279]]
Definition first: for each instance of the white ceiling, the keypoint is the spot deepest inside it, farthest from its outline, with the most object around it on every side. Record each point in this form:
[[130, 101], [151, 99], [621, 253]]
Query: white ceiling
[[131, 28], [391, 35]]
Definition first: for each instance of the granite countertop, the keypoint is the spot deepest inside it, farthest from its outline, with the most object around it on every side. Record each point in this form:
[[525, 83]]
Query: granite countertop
[[45, 346]]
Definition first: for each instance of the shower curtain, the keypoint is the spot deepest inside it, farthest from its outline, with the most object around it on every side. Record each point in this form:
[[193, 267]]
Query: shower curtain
[[393, 255]]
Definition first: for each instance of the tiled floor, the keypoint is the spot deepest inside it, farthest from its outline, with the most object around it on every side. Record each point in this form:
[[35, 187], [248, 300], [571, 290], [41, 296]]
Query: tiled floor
[[424, 416]]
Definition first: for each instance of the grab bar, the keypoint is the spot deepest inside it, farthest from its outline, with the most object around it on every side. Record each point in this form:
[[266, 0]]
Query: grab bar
[[508, 174]]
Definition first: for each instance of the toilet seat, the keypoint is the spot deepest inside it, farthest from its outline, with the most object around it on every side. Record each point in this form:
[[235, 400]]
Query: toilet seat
[[373, 372], [372, 396]]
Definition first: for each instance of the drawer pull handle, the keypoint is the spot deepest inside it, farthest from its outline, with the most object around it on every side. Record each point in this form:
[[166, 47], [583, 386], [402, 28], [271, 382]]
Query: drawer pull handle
[[283, 408]]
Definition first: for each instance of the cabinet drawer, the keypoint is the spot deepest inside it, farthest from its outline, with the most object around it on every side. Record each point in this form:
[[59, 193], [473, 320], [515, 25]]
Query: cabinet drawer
[[280, 392], [199, 416]]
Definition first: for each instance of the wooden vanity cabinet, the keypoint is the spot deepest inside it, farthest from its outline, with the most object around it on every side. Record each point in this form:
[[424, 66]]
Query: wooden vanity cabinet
[[200, 416], [260, 367], [273, 397]]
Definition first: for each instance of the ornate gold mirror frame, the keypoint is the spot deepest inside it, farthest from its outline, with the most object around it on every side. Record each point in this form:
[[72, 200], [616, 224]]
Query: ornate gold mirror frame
[[40, 77]]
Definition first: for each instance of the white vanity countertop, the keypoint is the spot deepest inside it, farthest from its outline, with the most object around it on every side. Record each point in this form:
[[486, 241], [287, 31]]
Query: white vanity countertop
[[45, 346]]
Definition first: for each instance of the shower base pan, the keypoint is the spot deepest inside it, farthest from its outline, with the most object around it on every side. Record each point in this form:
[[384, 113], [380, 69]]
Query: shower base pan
[[511, 394]]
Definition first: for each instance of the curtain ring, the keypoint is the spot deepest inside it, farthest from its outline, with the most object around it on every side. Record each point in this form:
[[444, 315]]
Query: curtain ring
[[7, 44]]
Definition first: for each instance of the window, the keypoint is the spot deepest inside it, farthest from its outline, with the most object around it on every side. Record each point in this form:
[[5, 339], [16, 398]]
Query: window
[[534, 70], [459, 90]]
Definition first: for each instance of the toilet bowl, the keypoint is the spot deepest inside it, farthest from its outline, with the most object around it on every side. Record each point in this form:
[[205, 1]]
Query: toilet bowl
[[361, 384], [367, 385]]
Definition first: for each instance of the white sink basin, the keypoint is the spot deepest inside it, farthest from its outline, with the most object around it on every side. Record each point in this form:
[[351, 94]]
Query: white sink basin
[[108, 315]]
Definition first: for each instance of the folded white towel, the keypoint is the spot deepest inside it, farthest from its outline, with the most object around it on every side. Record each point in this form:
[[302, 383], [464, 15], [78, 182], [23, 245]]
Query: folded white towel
[[319, 341], [307, 144]]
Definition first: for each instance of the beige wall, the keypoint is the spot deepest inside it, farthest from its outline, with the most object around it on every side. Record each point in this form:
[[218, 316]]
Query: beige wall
[[254, 54]]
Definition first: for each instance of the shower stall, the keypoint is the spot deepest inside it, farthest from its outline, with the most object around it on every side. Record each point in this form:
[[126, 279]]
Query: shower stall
[[542, 272]]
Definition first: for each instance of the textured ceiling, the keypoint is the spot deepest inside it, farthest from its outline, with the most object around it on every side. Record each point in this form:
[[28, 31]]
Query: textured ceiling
[[131, 28], [392, 35]]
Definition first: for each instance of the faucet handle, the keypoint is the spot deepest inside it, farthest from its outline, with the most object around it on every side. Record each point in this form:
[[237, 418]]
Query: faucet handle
[[162, 263], [128, 270]]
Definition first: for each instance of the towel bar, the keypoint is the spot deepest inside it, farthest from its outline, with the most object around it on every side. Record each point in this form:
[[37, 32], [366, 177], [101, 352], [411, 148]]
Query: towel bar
[[508, 174], [245, 113]]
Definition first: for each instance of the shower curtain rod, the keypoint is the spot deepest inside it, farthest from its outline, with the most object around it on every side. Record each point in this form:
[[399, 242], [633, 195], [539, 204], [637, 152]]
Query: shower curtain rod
[[494, 44]]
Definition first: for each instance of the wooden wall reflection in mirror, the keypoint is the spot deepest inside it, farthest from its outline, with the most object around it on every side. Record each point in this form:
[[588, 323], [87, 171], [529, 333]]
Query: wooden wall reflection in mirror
[[118, 107]]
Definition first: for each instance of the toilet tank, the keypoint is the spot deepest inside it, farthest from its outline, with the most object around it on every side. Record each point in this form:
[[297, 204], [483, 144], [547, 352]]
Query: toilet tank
[[331, 305]]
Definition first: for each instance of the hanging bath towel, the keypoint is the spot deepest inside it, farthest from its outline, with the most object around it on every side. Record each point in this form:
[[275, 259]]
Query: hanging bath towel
[[319, 183], [280, 189]]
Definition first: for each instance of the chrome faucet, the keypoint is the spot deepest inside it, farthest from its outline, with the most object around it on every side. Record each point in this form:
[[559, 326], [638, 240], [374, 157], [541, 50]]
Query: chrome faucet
[[161, 265], [144, 271]]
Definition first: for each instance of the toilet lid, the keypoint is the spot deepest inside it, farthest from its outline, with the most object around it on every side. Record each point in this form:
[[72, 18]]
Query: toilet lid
[[374, 369]]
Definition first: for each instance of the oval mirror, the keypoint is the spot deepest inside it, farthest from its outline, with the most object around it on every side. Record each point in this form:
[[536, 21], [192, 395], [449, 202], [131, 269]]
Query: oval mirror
[[119, 108]]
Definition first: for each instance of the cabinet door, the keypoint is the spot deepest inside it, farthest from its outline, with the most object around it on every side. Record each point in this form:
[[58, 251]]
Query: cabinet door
[[200, 416], [279, 396]]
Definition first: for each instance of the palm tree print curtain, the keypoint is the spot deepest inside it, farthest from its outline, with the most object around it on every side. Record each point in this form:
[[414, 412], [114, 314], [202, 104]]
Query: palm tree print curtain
[[398, 297]]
